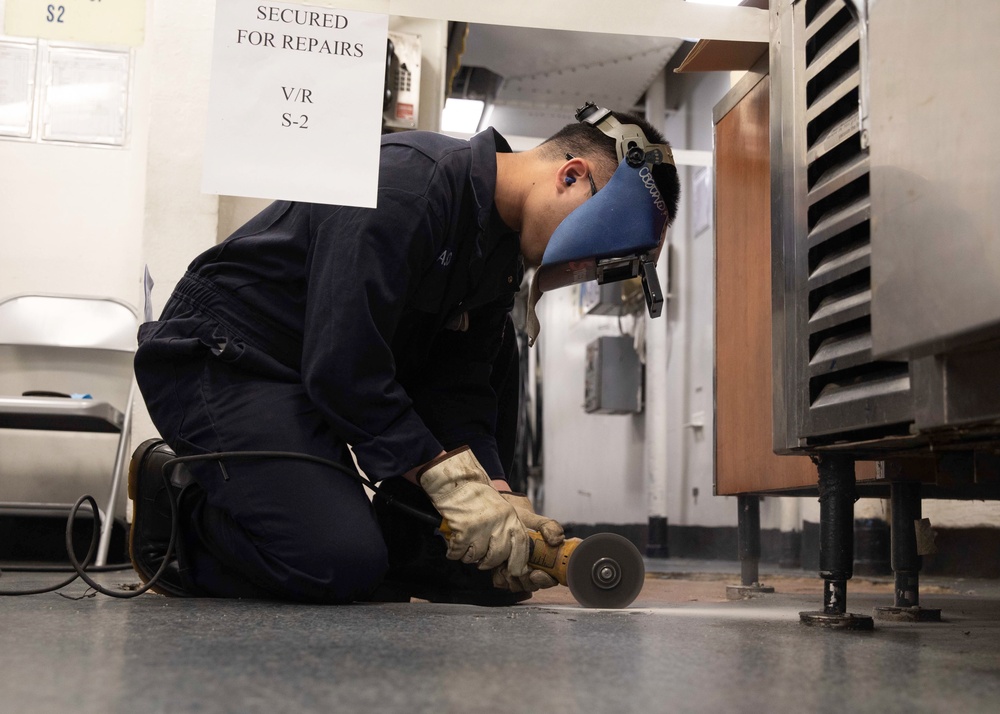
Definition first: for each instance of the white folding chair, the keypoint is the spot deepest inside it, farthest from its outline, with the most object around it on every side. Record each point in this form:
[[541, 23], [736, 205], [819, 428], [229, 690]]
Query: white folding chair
[[69, 344]]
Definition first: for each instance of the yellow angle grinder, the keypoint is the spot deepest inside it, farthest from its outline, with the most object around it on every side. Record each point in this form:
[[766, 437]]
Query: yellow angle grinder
[[602, 571]]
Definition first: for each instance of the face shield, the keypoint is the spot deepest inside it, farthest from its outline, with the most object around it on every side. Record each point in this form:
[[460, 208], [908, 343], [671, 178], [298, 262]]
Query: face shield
[[616, 234]]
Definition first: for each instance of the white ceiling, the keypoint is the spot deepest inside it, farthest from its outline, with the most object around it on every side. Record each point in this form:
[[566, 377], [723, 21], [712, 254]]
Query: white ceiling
[[547, 70], [663, 18]]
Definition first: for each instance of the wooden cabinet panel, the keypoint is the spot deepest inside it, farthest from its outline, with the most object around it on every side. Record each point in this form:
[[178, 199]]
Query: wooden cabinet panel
[[744, 459]]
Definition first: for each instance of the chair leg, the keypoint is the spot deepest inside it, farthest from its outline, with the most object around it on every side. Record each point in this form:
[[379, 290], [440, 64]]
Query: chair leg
[[117, 481]]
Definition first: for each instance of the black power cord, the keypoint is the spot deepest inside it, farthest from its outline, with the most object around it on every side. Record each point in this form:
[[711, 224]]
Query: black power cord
[[82, 570]]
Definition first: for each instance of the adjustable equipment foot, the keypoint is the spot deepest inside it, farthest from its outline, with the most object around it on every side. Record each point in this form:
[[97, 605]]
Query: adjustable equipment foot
[[836, 556], [906, 561], [748, 533], [908, 614], [745, 592], [834, 614]]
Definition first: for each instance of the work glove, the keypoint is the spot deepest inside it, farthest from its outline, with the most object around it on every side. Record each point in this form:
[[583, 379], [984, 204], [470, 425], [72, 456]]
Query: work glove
[[482, 527], [551, 532]]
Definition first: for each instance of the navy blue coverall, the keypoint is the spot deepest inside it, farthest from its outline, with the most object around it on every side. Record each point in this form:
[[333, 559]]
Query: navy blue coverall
[[317, 326]]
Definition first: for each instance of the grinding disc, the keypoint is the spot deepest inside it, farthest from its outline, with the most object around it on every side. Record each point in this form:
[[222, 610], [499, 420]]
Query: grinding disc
[[605, 570]]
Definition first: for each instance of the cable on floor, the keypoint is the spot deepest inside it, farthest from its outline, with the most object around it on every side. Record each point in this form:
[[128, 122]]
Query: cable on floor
[[83, 569]]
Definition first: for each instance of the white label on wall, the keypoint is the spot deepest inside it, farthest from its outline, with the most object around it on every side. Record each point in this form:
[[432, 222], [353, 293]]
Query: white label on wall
[[17, 88], [115, 22], [85, 96], [295, 108]]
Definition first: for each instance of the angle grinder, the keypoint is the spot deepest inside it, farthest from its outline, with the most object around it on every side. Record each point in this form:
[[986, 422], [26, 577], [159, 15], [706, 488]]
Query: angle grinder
[[602, 571]]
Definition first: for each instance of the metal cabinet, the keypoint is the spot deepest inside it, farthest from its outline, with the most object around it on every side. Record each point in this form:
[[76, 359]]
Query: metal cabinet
[[885, 262], [884, 268], [886, 273]]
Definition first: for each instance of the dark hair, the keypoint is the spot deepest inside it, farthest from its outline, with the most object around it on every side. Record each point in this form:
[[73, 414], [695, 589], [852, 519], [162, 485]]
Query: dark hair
[[588, 142]]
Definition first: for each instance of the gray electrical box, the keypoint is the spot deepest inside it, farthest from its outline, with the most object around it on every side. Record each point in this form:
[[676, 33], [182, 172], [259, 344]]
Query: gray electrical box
[[617, 298], [613, 377], [604, 299]]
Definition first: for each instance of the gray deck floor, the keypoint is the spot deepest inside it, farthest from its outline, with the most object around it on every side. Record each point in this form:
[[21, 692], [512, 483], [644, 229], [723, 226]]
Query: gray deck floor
[[682, 648]]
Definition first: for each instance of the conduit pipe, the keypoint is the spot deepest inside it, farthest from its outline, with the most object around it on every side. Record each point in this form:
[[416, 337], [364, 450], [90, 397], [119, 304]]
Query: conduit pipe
[[657, 353]]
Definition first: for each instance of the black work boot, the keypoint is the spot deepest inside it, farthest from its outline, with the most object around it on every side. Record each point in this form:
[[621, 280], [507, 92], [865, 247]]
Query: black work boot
[[417, 563], [151, 519]]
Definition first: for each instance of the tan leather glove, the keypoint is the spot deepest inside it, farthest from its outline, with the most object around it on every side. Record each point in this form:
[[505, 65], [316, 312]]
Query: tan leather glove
[[551, 532], [485, 529]]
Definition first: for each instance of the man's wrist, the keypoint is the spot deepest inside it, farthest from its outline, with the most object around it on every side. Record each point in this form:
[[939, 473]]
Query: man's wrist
[[501, 484], [411, 475]]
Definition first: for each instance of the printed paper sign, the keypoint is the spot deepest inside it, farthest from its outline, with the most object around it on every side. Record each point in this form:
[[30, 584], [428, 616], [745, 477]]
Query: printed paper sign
[[295, 107], [109, 22]]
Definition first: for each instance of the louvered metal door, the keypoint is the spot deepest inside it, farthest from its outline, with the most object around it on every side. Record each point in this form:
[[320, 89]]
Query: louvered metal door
[[831, 389]]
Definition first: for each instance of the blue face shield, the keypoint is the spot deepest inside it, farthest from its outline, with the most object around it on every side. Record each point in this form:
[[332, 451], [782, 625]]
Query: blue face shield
[[617, 233]]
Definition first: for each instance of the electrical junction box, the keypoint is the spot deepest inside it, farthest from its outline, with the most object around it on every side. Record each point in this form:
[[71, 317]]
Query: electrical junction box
[[401, 108], [613, 377], [610, 298], [620, 297]]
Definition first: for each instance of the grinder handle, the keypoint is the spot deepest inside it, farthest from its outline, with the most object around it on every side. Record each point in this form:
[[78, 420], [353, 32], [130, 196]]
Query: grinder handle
[[544, 557], [552, 560]]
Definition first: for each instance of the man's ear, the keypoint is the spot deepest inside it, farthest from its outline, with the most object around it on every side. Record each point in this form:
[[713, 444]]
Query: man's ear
[[571, 171]]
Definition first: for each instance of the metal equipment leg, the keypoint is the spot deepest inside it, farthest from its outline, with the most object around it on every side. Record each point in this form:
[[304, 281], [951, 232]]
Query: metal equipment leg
[[906, 562], [836, 537], [748, 534], [657, 545]]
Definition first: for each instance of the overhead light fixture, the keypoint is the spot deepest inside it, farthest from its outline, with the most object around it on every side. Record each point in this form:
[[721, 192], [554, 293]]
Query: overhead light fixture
[[462, 115], [731, 3]]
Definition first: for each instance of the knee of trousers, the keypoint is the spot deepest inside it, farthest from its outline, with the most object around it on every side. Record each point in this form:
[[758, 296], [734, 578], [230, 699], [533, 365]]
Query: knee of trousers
[[337, 569]]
